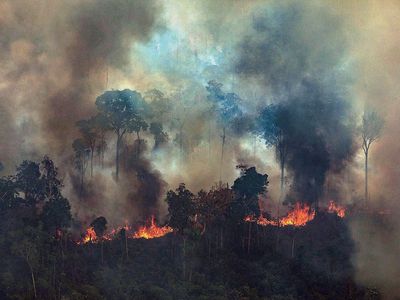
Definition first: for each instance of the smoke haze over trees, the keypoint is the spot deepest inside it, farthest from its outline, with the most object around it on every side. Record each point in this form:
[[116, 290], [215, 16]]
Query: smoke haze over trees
[[141, 101]]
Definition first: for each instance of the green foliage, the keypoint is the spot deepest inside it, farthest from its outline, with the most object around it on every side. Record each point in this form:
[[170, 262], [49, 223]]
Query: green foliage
[[180, 208], [124, 110], [225, 104], [28, 181], [216, 265], [247, 189], [56, 214]]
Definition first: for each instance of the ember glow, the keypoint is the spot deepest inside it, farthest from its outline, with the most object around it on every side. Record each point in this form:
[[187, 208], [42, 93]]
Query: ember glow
[[150, 231], [261, 220], [336, 208]]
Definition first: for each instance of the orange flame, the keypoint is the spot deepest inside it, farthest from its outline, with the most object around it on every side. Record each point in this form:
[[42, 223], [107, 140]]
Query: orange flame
[[152, 231], [90, 236], [299, 216], [265, 222], [261, 220], [337, 209], [147, 232]]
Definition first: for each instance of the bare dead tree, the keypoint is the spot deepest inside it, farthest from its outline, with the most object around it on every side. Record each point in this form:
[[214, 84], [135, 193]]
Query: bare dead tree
[[371, 129]]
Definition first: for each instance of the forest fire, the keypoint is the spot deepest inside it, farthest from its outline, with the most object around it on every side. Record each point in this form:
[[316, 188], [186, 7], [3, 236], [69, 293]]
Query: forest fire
[[336, 208], [299, 216], [152, 231], [90, 236], [146, 231]]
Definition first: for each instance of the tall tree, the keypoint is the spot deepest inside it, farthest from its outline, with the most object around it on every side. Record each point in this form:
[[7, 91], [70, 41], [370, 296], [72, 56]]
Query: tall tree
[[211, 213], [160, 106], [90, 135], [81, 159], [28, 180], [227, 108], [271, 126], [138, 125], [27, 246], [180, 208], [9, 196], [247, 189], [123, 111], [56, 214], [371, 129], [99, 226], [102, 126], [160, 137]]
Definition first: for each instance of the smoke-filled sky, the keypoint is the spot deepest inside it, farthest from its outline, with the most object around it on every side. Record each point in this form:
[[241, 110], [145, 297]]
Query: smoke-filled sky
[[58, 56]]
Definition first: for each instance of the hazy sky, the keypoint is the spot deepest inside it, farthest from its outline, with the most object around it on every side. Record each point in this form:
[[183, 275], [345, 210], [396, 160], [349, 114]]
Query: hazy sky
[[57, 56]]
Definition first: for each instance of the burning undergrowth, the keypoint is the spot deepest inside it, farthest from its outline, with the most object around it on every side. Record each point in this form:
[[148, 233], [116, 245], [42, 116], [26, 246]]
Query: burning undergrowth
[[298, 216], [149, 230]]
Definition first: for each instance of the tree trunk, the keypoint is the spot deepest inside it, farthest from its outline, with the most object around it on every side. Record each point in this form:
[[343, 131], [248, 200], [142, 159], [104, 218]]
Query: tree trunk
[[102, 252], [184, 257], [282, 178], [223, 136], [117, 156], [222, 238], [82, 175], [91, 162], [209, 248], [138, 147], [209, 142], [249, 239], [293, 240], [102, 149], [126, 246], [282, 165], [366, 179], [33, 279], [181, 144]]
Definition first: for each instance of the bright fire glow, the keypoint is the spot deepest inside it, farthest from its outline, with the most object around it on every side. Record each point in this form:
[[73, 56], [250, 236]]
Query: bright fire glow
[[149, 231], [90, 236], [261, 220], [299, 216], [337, 209], [152, 231]]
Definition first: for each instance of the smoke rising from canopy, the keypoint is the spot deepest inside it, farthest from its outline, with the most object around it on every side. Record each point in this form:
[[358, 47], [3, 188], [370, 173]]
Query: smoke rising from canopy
[[58, 56], [302, 67]]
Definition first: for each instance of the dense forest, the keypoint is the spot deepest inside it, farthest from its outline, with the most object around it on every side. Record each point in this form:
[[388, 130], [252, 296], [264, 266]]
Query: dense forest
[[180, 149], [214, 244], [212, 253]]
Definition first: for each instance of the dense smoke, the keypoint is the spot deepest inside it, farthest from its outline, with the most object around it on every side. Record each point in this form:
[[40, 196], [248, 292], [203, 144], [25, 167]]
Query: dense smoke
[[302, 67], [323, 62], [55, 64]]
